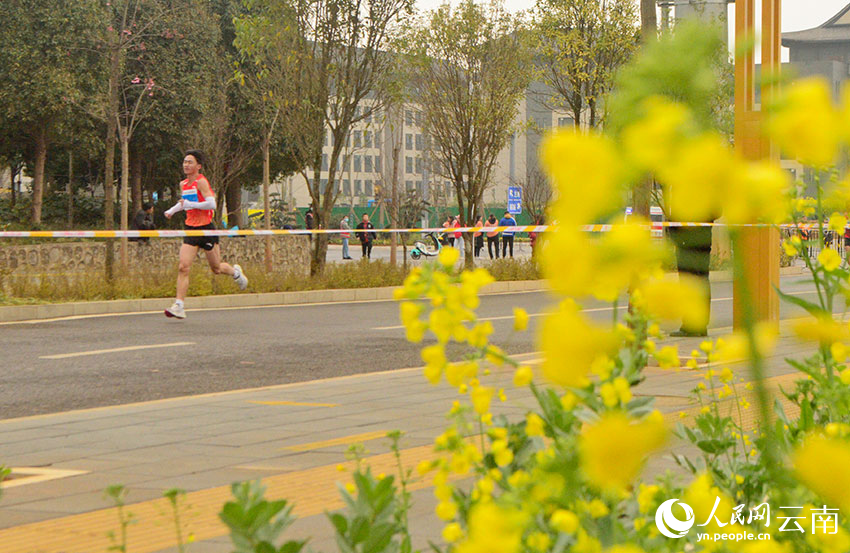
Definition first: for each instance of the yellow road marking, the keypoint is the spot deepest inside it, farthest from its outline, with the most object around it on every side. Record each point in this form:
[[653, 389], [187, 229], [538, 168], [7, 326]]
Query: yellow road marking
[[353, 439], [295, 403], [116, 350]]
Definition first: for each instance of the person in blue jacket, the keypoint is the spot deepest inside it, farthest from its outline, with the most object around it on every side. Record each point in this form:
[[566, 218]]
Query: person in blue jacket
[[507, 236]]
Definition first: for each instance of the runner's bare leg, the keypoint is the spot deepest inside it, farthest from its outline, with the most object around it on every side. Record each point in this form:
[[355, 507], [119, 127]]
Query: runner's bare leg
[[187, 256], [217, 266]]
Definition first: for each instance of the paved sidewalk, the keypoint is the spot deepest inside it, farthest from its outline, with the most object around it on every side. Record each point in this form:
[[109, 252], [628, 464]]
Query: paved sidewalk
[[292, 436]]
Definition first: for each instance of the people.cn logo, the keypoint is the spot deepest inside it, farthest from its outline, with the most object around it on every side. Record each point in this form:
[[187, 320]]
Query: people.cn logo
[[668, 524]]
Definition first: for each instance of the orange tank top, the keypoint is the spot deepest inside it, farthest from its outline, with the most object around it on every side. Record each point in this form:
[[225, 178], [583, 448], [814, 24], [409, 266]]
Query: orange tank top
[[196, 217]]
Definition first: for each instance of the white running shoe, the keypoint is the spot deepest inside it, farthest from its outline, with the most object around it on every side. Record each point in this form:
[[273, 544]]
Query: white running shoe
[[176, 311], [241, 279]]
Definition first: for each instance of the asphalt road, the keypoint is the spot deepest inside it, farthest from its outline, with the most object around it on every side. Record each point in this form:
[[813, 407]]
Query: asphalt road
[[62, 365]]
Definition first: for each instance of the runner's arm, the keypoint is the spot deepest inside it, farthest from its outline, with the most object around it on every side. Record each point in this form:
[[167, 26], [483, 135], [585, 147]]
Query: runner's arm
[[176, 208]]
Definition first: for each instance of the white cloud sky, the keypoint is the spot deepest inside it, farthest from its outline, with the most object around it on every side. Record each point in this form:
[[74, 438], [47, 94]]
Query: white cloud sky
[[796, 14]]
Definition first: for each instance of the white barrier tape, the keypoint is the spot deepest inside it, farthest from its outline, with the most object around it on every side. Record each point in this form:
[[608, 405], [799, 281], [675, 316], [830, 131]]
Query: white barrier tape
[[278, 232]]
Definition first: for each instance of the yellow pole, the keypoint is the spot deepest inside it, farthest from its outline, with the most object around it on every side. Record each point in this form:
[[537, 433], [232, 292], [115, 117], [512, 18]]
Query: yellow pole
[[758, 247]]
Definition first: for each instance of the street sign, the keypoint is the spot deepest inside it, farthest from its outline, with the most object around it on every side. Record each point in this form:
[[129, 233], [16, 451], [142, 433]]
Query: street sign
[[515, 193], [515, 207]]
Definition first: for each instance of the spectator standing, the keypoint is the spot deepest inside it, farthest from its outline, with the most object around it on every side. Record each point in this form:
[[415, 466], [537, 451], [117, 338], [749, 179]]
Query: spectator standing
[[366, 238], [507, 236], [143, 221], [492, 236], [458, 235], [345, 234], [310, 222], [478, 237], [448, 223]]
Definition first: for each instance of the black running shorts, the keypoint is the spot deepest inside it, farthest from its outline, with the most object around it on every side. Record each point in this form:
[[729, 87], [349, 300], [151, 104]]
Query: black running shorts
[[205, 242]]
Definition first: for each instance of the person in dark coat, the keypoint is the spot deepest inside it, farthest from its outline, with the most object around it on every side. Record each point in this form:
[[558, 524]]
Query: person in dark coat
[[143, 221], [693, 257], [366, 238]]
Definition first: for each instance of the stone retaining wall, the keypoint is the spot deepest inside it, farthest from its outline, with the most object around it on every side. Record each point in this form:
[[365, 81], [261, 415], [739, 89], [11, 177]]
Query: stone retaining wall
[[290, 252]]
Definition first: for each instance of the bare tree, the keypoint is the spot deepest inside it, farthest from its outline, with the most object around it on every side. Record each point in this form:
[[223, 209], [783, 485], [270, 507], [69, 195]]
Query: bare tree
[[471, 68], [344, 76], [580, 44], [536, 193]]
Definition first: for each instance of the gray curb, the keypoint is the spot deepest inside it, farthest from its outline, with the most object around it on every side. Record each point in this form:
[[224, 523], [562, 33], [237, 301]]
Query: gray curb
[[150, 305]]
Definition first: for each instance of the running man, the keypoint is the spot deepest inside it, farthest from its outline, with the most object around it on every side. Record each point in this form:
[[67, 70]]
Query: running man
[[198, 201]]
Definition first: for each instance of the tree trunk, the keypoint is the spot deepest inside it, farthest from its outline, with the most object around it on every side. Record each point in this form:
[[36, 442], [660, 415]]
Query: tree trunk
[[267, 220], [69, 189], [111, 130], [38, 180], [649, 32], [233, 196], [125, 189], [136, 181], [394, 208]]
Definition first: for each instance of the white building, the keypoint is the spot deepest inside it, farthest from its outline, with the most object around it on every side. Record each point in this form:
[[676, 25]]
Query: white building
[[364, 172]]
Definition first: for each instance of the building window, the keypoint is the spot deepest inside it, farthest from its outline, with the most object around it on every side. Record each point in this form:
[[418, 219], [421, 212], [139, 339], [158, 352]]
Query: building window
[[419, 118], [325, 140], [408, 142], [367, 139], [408, 117], [566, 122], [419, 187], [368, 117], [357, 139], [408, 185], [367, 164], [324, 162], [346, 187], [377, 164], [357, 188], [418, 165], [323, 185], [368, 188], [419, 142], [408, 164], [357, 164], [356, 112]]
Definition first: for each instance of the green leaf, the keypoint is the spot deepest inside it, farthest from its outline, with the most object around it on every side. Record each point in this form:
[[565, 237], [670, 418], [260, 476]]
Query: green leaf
[[811, 308]]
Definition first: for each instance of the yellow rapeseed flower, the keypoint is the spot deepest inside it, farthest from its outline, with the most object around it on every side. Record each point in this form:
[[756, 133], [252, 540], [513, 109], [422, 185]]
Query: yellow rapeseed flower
[[790, 248], [446, 510], [452, 532], [758, 192], [837, 222], [696, 178], [564, 521], [701, 495], [838, 351], [481, 397], [581, 165], [646, 497], [523, 376], [534, 425], [822, 329], [829, 259], [520, 319], [493, 529], [649, 142], [614, 448], [571, 344], [821, 464], [805, 124], [502, 454], [538, 541], [668, 357], [672, 300], [448, 257]]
